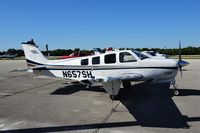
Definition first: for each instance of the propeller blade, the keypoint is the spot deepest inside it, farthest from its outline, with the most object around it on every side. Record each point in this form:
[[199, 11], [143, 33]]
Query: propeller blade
[[179, 52], [181, 71], [180, 60], [181, 63]]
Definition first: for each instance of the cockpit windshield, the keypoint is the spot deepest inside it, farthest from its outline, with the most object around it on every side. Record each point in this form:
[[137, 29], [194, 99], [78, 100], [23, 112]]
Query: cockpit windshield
[[140, 55]]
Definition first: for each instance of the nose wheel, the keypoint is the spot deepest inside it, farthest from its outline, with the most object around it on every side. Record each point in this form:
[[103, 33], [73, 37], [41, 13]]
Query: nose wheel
[[175, 92]]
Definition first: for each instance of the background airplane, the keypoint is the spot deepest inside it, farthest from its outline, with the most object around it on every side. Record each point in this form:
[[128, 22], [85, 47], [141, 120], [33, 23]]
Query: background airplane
[[153, 54], [8, 56]]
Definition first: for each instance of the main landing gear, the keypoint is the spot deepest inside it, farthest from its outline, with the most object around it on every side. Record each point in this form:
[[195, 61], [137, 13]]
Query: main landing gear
[[115, 97], [126, 84], [175, 89], [113, 89]]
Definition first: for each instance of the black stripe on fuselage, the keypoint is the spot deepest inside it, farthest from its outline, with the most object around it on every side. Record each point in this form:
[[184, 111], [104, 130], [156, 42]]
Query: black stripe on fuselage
[[68, 67], [49, 68], [33, 62]]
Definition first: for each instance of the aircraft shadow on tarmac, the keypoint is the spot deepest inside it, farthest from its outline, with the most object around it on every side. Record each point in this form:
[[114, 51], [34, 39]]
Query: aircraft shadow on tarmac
[[67, 90], [150, 104]]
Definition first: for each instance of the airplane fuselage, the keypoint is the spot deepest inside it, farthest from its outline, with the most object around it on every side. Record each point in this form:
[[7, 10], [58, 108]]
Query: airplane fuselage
[[97, 67]]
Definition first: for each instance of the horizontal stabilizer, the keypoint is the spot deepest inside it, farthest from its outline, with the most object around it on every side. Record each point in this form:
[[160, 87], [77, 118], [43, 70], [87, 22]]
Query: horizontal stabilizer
[[38, 67], [20, 70]]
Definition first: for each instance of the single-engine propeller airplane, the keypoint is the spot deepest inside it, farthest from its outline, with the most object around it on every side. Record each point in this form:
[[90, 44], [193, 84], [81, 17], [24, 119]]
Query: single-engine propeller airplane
[[112, 68]]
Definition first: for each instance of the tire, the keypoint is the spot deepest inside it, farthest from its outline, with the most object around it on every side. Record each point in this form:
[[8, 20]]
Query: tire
[[115, 97], [176, 92], [126, 84]]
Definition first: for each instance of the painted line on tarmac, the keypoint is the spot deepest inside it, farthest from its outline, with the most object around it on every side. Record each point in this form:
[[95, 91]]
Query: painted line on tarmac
[[107, 117]]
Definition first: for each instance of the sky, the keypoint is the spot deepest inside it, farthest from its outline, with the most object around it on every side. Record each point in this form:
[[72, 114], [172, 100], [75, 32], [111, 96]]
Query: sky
[[86, 24]]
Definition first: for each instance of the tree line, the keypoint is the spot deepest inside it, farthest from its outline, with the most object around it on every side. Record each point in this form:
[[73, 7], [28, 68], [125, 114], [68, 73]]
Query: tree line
[[60, 52]]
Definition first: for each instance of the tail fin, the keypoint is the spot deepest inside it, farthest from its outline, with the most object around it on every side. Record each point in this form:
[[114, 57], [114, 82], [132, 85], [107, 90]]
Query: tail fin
[[33, 55]]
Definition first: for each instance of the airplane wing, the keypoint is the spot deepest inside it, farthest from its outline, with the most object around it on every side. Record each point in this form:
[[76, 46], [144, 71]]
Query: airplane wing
[[122, 77], [112, 83]]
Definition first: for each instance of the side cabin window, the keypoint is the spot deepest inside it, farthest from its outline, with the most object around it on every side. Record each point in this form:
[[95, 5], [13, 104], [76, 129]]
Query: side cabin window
[[84, 62], [96, 60], [126, 57], [110, 58]]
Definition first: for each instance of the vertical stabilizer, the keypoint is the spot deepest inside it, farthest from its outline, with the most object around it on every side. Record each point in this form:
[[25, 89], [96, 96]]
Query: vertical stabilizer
[[33, 55]]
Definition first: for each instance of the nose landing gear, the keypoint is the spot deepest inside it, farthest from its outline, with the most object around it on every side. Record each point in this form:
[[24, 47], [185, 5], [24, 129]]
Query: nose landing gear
[[175, 89], [176, 92]]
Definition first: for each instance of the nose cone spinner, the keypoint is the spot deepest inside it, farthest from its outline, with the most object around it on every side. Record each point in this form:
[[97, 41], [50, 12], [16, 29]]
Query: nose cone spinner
[[182, 63]]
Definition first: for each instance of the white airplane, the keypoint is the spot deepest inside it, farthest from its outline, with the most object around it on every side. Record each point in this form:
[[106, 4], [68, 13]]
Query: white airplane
[[112, 68]]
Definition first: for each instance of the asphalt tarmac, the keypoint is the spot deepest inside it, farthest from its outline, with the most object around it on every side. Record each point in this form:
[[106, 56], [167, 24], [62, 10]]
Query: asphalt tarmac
[[38, 104]]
